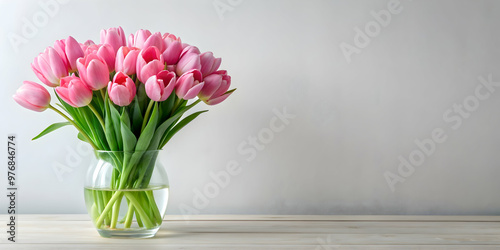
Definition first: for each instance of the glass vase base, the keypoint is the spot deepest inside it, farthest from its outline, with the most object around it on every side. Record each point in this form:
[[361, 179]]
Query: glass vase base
[[128, 233]]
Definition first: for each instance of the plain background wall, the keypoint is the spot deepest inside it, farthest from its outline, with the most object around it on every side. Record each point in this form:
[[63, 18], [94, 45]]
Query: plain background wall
[[352, 121]]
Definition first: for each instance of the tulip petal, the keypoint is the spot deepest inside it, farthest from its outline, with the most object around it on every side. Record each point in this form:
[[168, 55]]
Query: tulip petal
[[154, 40], [212, 83], [224, 86], [153, 88], [57, 64], [97, 75], [40, 75], [218, 99], [188, 62], [64, 95], [193, 92], [129, 62], [34, 93], [73, 51], [47, 71], [80, 95], [120, 95], [27, 105], [151, 69], [172, 54]]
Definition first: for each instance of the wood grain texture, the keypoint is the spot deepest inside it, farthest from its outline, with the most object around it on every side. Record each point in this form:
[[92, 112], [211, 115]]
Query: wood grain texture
[[268, 232]]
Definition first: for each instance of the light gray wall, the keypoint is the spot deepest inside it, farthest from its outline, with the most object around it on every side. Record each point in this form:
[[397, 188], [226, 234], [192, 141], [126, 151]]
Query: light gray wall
[[353, 119]]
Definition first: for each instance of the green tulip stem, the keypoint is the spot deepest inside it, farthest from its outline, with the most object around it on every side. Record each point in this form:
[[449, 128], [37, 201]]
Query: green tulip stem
[[112, 200], [103, 93], [99, 117], [76, 126], [146, 116], [176, 105]]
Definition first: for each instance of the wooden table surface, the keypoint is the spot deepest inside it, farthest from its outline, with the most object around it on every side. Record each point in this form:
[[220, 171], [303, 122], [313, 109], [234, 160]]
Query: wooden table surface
[[267, 232]]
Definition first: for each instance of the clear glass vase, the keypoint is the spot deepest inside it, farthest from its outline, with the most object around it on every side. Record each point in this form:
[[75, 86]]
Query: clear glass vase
[[126, 193]]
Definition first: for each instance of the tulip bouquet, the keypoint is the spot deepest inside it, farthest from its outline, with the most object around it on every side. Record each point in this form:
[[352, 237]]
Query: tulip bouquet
[[128, 96]]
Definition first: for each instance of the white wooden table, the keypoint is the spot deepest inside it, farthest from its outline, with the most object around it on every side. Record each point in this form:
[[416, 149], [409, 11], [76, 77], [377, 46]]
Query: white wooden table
[[267, 232]]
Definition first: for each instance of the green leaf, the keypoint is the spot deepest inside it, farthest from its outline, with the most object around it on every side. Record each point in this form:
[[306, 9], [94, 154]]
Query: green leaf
[[73, 112], [109, 127], [51, 128], [125, 118], [81, 137], [166, 106], [178, 114], [179, 126], [149, 130], [61, 106], [160, 131], [129, 139], [115, 117], [142, 97], [93, 124], [136, 116]]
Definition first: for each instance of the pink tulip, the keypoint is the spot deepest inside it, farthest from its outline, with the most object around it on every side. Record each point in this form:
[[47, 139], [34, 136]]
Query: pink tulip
[[86, 44], [69, 50], [114, 37], [93, 71], [122, 89], [173, 49], [189, 85], [215, 88], [188, 62], [186, 49], [104, 51], [49, 67], [74, 92], [32, 96], [126, 60], [154, 40], [149, 63], [209, 63], [139, 38], [160, 86]]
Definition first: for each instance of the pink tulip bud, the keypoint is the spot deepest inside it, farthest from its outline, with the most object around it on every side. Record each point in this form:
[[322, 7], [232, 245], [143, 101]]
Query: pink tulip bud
[[149, 63], [160, 86], [139, 38], [69, 50], [188, 62], [93, 71], [186, 49], [74, 92], [85, 45], [209, 63], [32, 96], [104, 51], [154, 40], [121, 90], [189, 85], [126, 60], [115, 37], [215, 88], [49, 67], [173, 49], [167, 37]]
